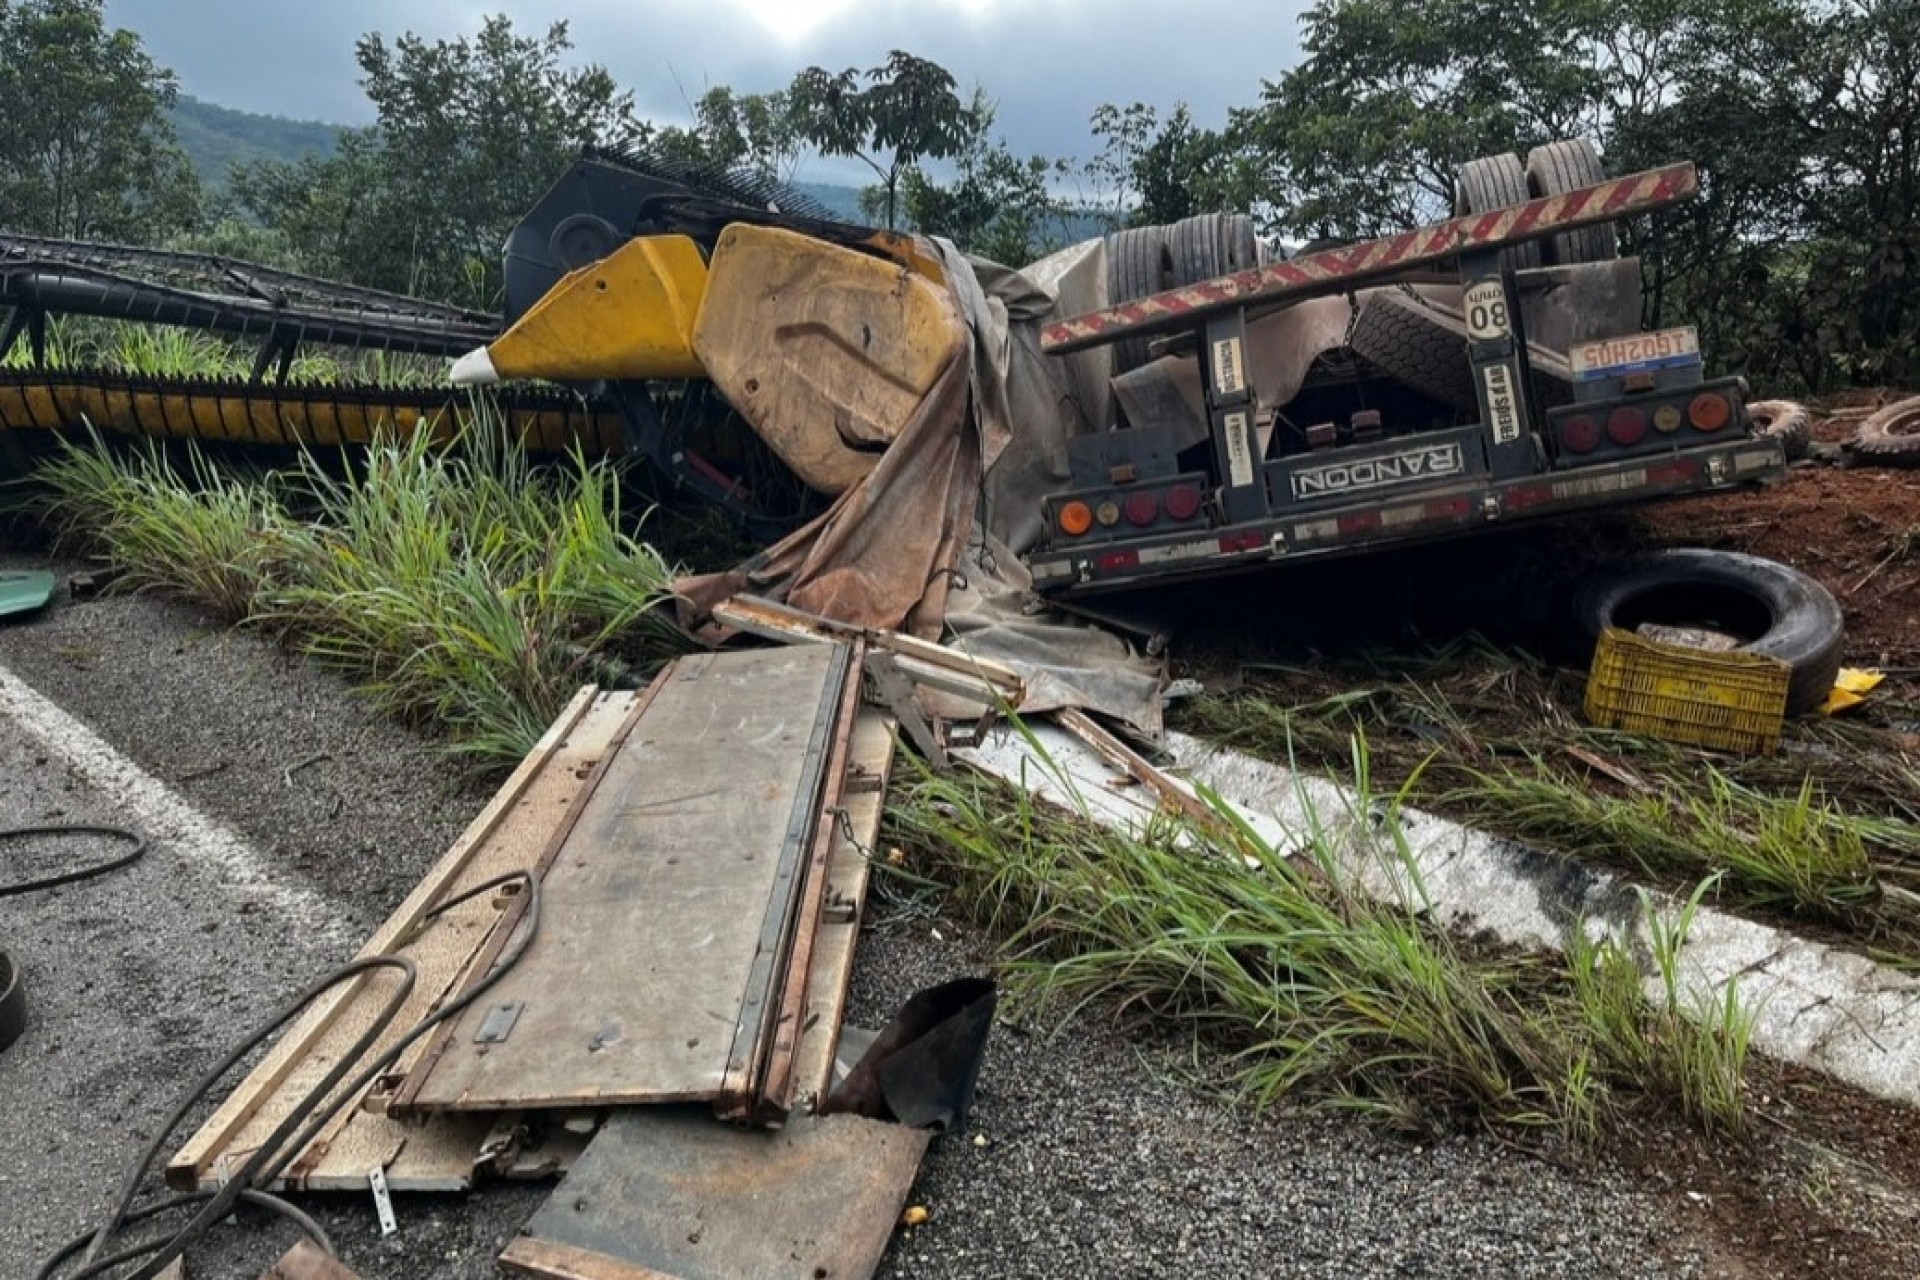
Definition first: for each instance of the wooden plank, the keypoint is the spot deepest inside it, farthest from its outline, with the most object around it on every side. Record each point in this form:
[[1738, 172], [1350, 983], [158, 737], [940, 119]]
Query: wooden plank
[[532, 801], [661, 907], [305, 1261], [667, 1192], [830, 974], [772, 1093], [935, 665]]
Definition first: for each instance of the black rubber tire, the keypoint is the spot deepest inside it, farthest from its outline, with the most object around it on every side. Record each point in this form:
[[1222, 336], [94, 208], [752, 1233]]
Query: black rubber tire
[[1793, 618], [1212, 244], [1784, 420], [1890, 436], [1565, 166], [1139, 263], [1397, 335], [1496, 182]]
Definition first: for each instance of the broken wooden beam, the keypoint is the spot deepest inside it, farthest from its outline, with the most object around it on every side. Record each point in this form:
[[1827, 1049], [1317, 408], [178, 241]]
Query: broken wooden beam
[[936, 666]]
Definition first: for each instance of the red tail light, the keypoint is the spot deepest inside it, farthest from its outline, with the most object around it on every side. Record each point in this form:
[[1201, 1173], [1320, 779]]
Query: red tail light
[[1580, 434], [1142, 507], [1183, 502], [1627, 425]]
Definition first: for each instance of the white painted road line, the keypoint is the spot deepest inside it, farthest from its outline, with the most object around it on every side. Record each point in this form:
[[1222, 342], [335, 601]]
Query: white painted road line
[[154, 810]]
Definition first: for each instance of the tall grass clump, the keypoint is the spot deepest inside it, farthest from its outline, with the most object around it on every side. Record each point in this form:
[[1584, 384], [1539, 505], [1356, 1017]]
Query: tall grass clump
[[467, 587], [1308, 987], [1797, 852], [457, 583], [191, 530]]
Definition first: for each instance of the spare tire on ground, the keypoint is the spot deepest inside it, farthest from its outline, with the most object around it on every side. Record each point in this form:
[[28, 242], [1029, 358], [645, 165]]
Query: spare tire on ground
[[1786, 421], [1771, 608], [1890, 436]]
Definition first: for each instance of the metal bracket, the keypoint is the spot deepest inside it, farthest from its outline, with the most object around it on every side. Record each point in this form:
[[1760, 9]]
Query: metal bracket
[[499, 1023], [894, 691], [382, 1200]]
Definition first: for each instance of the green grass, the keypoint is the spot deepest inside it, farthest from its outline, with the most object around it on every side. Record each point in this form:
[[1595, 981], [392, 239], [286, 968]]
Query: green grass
[[1308, 990], [169, 351], [460, 585], [1824, 831]]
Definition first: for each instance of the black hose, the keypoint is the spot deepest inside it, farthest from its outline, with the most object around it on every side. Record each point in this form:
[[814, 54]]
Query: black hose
[[314, 1110], [139, 843]]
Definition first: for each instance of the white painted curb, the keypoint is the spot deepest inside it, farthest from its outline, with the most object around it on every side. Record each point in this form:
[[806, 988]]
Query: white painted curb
[[1815, 1005]]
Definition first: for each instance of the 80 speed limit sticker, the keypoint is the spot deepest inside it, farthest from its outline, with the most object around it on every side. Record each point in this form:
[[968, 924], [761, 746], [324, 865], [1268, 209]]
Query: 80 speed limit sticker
[[1485, 304]]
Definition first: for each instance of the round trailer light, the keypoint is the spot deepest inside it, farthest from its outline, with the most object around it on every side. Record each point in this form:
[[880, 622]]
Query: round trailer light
[[1667, 419], [1627, 426], [1107, 513], [1143, 508], [1580, 434], [1183, 502], [1709, 411], [1075, 518]]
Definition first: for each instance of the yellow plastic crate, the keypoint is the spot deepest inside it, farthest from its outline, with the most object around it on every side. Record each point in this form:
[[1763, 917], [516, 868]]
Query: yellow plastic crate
[[1725, 701]]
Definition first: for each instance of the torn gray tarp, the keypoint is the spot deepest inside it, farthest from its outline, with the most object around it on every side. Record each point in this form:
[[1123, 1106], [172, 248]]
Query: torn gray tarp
[[929, 541]]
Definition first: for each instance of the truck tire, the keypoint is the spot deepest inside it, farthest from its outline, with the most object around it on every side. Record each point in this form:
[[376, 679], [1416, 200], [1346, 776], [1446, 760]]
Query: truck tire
[[1559, 167], [1784, 420], [1212, 244], [1139, 263], [1788, 615], [1496, 182], [1398, 336], [1890, 436]]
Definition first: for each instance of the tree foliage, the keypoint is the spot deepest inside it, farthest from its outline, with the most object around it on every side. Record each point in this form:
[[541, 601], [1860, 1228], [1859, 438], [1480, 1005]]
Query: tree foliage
[[890, 117], [1800, 261], [86, 150], [471, 132]]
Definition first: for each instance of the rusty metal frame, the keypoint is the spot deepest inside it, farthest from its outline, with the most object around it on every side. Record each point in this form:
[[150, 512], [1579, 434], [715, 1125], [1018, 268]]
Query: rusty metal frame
[[1337, 270]]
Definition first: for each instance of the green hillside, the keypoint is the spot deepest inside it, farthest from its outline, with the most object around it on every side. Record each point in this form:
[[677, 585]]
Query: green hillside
[[216, 137]]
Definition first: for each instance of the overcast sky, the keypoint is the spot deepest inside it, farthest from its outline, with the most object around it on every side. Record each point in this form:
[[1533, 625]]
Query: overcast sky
[[1048, 63]]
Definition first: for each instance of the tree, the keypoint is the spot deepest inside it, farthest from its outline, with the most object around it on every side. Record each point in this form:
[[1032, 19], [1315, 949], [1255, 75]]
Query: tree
[[908, 110], [757, 132], [998, 205], [86, 150], [471, 133]]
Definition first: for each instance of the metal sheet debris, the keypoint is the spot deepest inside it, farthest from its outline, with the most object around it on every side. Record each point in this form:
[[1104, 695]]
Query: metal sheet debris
[[667, 1194]]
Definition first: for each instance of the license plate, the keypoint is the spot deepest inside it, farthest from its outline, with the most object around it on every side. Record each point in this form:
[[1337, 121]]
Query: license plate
[[1635, 353]]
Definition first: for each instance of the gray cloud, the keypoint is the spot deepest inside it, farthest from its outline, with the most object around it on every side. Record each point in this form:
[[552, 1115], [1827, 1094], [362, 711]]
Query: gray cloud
[[1048, 63]]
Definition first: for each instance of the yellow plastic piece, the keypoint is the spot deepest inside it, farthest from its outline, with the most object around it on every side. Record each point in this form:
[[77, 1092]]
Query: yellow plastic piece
[[1850, 689], [1725, 701], [629, 315], [824, 350]]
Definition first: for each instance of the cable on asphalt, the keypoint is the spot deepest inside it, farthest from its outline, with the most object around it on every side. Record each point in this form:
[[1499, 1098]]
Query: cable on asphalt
[[313, 1112], [138, 841]]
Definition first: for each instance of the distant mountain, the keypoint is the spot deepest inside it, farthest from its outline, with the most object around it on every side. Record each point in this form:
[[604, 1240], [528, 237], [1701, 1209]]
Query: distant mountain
[[841, 202], [216, 137]]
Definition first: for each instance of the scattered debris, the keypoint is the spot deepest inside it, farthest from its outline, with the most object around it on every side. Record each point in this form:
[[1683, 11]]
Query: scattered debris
[[667, 1192], [24, 591], [1889, 436], [701, 846]]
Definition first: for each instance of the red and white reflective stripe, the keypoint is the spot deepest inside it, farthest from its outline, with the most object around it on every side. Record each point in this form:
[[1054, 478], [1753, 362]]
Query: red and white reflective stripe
[[1334, 269]]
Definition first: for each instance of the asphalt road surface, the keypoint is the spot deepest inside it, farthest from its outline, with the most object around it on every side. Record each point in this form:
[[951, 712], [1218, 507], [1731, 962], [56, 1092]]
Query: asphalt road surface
[[1088, 1153]]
